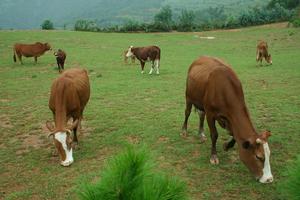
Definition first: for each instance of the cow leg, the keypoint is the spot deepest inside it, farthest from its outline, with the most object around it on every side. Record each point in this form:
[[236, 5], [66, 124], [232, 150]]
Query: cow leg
[[142, 66], [20, 58], [152, 67], [157, 66], [201, 124], [63, 65], [75, 139], [229, 144], [214, 136], [188, 109], [35, 59]]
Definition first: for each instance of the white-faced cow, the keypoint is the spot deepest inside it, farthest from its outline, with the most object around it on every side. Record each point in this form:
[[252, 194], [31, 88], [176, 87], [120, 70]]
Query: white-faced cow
[[262, 52], [132, 57], [30, 50], [215, 90], [143, 54], [70, 93]]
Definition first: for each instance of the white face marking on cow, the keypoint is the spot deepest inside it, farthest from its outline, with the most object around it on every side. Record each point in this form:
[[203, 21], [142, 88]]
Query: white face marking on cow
[[267, 174], [62, 137], [129, 52]]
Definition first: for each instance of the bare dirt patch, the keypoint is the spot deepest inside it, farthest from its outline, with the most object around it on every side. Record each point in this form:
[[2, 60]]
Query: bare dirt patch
[[133, 139], [5, 122]]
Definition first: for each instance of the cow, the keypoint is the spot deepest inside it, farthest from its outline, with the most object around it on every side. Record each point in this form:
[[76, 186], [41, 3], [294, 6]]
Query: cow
[[143, 54], [60, 59], [70, 93], [132, 57], [30, 50], [262, 52], [214, 89]]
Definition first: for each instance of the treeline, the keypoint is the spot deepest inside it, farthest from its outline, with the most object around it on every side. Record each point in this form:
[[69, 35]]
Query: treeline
[[208, 19]]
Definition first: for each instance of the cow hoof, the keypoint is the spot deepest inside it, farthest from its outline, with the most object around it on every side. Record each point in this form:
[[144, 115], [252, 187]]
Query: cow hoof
[[142, 72], [214, 160], [202, 138], [184, 134]]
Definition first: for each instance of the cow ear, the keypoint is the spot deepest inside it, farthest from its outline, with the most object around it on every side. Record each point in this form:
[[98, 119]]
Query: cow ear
[[246, 144]]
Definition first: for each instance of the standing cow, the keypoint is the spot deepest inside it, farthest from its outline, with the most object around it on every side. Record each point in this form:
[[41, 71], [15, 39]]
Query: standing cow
[[70, 93], [30, 50], [60, 59], [215, 90], [143, 54], [262, 52]]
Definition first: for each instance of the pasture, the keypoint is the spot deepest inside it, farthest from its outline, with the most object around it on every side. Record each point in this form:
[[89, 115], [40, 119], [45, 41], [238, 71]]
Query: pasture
[[127, 107]]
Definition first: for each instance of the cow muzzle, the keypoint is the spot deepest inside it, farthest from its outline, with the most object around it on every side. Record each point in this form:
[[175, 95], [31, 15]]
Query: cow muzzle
[[66, 163], [266, 179]]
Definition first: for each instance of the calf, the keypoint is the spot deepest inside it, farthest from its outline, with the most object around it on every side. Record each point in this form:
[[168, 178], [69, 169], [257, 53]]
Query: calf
[[30, 50], [262, 52], [70, 93], [143, 54], [215, 90], [60, 59]]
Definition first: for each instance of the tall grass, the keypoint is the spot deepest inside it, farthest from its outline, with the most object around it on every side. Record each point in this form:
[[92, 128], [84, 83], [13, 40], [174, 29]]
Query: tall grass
[[291, 187], [130, 176]]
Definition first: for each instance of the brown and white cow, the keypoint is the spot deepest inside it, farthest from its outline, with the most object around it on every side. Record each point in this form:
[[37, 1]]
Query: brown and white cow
[[132, 57], [70, 93], [262, 52], [60, 59], [143, 54], [30, 50], [215, 90]]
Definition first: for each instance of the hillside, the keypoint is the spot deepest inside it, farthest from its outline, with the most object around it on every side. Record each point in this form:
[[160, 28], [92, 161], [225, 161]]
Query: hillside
[[29, 14]]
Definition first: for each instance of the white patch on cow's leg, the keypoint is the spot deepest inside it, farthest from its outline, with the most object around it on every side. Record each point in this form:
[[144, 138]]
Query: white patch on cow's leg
[[61, 137], [267, 174], [142, 72], [151, 70], [157, 66]]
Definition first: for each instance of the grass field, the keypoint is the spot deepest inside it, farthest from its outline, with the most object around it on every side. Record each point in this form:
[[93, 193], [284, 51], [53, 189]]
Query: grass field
[[127, 107]]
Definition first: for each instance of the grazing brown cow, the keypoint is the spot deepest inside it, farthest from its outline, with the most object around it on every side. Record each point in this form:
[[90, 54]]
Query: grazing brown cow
[[132, 57], [30, 50], [215, 90], [143, 54], [60, 59], [262, 52], [70, 93]]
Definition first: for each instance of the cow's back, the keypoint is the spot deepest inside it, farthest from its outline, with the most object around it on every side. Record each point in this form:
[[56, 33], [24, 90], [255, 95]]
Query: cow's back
[[71, 88], [212, 84]]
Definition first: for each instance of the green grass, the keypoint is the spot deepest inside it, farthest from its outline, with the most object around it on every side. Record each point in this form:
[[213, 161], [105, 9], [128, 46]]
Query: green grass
[[128, 107]]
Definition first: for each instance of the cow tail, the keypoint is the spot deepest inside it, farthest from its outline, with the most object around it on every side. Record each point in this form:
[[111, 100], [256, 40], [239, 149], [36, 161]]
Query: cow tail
[[15, 59]]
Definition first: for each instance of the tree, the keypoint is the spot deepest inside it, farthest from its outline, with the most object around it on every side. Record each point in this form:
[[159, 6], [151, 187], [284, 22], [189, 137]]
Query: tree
[[47, 25], [186, 20], [85, 25], [163, 19], [288, 4]]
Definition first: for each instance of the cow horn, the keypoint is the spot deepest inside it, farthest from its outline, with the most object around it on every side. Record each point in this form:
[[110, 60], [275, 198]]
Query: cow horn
[[51, 134]]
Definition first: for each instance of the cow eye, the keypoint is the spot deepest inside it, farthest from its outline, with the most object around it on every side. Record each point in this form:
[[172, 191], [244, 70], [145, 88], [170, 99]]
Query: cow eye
[[260, 158]]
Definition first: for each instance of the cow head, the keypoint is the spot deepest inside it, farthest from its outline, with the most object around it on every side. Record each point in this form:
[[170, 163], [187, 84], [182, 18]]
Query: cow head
[[255, 154], [47, 46], [63, 143], [269, 59], [129, 52]]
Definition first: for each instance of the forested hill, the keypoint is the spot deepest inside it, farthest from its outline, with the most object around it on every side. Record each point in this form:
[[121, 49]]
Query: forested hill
[[29, 14]]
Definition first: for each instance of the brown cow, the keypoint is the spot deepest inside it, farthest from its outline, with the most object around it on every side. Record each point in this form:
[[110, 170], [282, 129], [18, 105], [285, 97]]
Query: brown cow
[[143, 54], [132, 57], [70, 93], [262, 52], [60, 59], [215, 90], [30, 50]]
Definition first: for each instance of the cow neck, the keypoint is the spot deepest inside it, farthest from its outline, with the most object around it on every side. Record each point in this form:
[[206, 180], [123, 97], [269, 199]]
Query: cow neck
[[241, 125], [60, 112]]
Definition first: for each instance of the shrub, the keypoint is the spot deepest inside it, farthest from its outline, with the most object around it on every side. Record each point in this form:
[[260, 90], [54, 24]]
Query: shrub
[[290, 187], [186, 21], [47, 25], [85, 25], [129, 176]]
